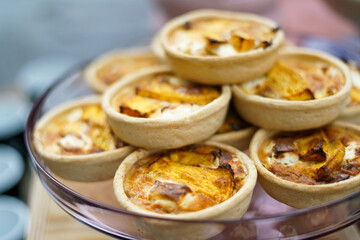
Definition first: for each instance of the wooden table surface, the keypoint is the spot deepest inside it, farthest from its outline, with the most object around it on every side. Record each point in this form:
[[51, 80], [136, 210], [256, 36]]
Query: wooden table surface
[[49, 221]]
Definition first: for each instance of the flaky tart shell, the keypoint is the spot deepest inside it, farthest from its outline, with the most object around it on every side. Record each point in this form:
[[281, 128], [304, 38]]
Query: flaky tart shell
[[90, 73], [238, 139], [295, 194], [352, 113], [217, 70], [157, 48], [234, 207], [155, 133], [287, 115], [87, 167]]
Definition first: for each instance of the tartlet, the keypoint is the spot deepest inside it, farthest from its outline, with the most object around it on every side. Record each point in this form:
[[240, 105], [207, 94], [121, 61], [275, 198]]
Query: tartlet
[[155, 109], [306, 168], [288, 100], [112, 66], [204, 181], [234, 131], [200, 181], [76, 142], [198, 48], [352, 111]]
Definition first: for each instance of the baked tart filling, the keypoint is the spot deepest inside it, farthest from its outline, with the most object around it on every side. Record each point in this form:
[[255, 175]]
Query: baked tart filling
[[233, 123], [292, 79], [163, 95], [321, 156], [81, 130], [184, 180], [216, 36], [117, 68], [355, 96]]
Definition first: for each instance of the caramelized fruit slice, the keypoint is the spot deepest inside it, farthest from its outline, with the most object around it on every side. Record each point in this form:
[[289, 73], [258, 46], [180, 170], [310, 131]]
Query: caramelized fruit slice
[[104, 139], [355, 96], [335, 156], [284, 82], [138, 106], [94, 115], [313, 147], [242, 44], [163, 90]]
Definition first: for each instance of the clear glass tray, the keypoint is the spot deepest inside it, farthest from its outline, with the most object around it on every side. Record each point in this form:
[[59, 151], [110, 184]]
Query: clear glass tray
[[95, 205]]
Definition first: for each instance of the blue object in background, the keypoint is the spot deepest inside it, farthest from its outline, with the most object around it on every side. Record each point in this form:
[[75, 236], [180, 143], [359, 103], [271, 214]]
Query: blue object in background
[[345, 49], [14, 110], [38, 74], [14, 218], [14, 214], [11, 167], [30, 29]]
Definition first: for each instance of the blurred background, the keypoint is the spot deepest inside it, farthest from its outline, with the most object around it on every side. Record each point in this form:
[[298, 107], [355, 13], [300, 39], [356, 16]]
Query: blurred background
[[42, 39]]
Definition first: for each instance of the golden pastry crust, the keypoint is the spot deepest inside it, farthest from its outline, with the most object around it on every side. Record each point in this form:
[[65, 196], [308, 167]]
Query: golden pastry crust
[[292, 115], [352, 112], [320, 174], [157, 48], [112, 66], [250, 59], [228, 207], [162, 121], [76, 142]]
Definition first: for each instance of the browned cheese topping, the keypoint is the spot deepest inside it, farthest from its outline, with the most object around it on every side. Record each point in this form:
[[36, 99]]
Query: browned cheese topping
[[297, 80], [163, 96], [82, 130], [212, 36], [320, 156], [184, 180]]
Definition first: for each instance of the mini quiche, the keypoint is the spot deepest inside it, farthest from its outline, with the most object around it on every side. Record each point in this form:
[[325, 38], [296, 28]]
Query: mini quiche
[[234, 131], [220, 47], [112, 66], [76, 142], [155, 109], [202, 181], [304, 89], [352, 111], [306, 168]]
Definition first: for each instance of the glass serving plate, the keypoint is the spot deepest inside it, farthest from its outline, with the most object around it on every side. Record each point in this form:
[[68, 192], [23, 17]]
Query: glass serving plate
[[95, 204]]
